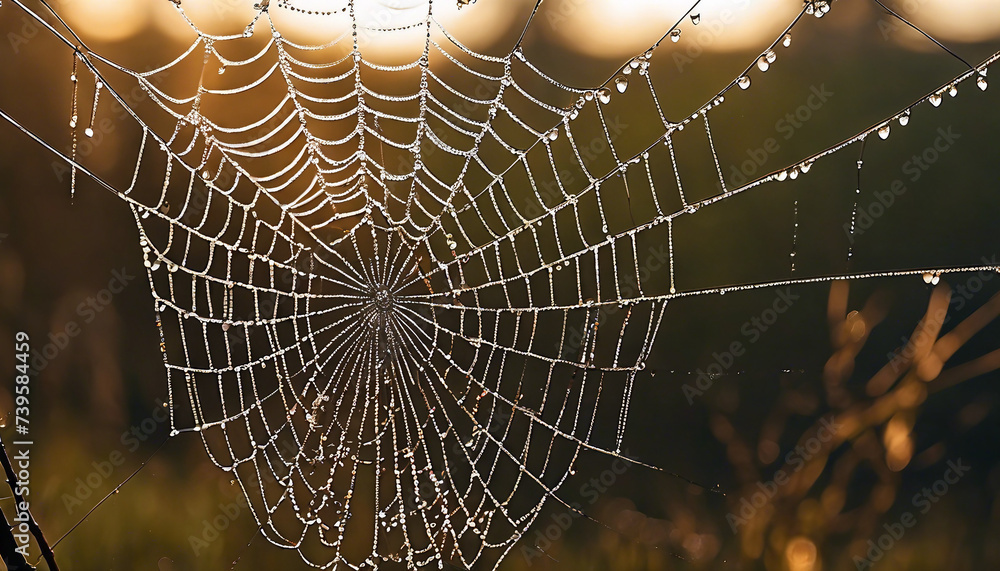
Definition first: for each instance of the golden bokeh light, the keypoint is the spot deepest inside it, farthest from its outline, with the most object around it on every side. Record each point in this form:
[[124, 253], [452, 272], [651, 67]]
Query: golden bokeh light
[[966, 21], [106, 20], [800, 554], [617, 28]]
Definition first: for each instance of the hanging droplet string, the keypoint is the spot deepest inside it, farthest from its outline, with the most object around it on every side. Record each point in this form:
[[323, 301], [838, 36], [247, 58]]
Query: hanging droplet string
[[98, 85], [795, 232], [72, 125], [854, 211]]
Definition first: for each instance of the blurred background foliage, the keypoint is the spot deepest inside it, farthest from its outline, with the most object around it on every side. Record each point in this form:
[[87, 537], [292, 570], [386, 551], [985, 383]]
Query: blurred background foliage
[[820, 360]]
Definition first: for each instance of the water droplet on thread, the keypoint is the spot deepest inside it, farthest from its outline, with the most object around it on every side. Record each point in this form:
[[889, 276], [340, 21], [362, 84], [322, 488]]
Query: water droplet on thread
[[762, 64], [904, 119], [743, 82], [883, 132], [621, 83], [675, 36], [604, 96], [953, 91], [695, 19], [88, 132], [787, 40], [982, 83], [935, 100], [770, 56]]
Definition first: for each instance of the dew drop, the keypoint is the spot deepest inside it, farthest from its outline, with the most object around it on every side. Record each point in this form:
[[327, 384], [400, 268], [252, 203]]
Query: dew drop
[[222, 69], [793, 174], [935, 280], [88, 132], [145, 214], [782, 175], [604, 228], [953, 91], [787, 40], [72, 122], [695, 19], [621, 83], [553, 134], [883, 132], [935, 100], [806, 166], [770, 56], [743, 82], [675, 36], [981, 82], [155, 265], [763, 64], [928, 277], [904, 118], [165, 207], [604, 96]]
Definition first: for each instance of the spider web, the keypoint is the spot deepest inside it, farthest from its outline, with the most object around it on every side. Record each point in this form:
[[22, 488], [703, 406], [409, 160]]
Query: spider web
[[367, 277]]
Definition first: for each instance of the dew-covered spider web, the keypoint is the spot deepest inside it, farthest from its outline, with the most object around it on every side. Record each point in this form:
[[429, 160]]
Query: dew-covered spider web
[[379, 286]]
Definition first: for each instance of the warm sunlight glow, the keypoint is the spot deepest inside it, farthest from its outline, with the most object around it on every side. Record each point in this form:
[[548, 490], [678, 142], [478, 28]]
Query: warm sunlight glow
[[394, 27], [967, 21], [106, 20], [607, 28]]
